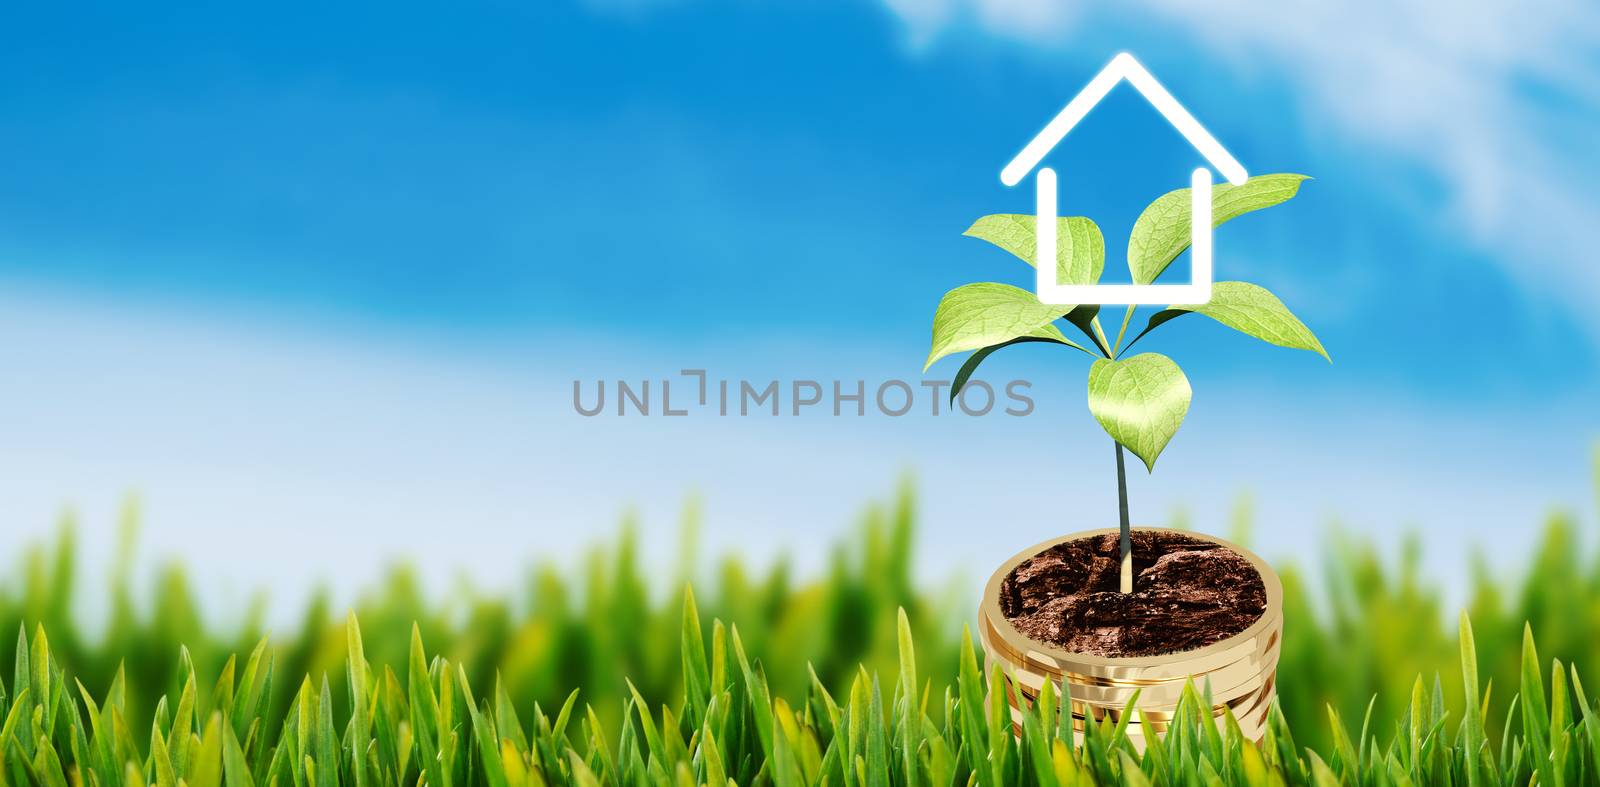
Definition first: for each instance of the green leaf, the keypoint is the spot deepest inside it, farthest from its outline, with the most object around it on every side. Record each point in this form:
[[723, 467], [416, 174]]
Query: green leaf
[[856, 741], [325, 748], [234, 767], [21, 680], [755, 680], [877, 740], [424, 712], [183, 724], [1589, 725], [1161, 232], [484, 733], [360, 715], [652, 737], [1560, 713], [1249, 309], [1037, 747], [972, 727], [970, 366], [1080, 248], [161, 761], [910, 721], [1472, 725], [1083, 318], [711, 759], [696, 672], [581, 774], [999, 718], [1536, 714], [40, 661], [48, 765], [206, 768], [908, 659], [252, 687], [1139, 401], [1133, 777], [978, 315]]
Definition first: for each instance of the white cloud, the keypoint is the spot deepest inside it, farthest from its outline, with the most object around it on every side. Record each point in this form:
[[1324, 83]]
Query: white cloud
[[923, 18], [1499, 101], [1028, 20]]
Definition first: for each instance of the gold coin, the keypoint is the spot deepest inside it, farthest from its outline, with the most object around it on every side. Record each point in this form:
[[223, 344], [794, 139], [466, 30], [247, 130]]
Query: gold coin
[[1226, 682], [1133, 670], [1253, 732], [1254, 639], [1241, 705], [994, 646]]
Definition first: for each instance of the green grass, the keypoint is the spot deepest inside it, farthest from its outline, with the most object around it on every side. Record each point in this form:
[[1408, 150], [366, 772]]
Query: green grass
[[1368, 629], [586, 626], [1355, 642], [422, 722]]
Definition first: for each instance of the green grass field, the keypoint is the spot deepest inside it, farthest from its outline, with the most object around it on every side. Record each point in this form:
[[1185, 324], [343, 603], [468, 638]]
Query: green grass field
[[422, 723], [1373, 647]]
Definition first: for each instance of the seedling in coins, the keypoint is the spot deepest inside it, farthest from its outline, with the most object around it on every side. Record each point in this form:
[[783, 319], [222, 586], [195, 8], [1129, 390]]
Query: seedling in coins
[[1140, 400]]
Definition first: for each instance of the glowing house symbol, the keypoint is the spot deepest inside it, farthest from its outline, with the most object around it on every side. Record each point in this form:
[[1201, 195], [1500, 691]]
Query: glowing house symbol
[[1198, 290]]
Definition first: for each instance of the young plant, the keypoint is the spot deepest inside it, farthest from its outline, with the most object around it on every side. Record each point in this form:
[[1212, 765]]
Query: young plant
[[1139, 400]]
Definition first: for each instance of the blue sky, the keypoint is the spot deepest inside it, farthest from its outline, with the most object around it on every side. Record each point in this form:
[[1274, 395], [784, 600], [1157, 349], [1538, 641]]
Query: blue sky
[[329, 271]]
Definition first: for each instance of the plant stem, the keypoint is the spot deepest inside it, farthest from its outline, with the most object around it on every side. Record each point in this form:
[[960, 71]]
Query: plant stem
[[1100, 336], [1123, 331], [1126, 584]]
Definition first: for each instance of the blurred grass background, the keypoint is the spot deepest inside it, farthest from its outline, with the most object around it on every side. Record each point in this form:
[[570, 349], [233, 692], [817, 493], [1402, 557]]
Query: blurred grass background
[[1367, 629]]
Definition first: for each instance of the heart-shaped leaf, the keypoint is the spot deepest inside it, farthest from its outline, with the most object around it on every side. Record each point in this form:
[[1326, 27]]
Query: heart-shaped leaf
[[1249, 309], [1080, 249], [1161, 232], [974, 316], [1139, 401]]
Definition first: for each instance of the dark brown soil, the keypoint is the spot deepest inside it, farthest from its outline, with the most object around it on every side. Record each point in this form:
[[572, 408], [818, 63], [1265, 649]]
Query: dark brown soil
[[1187, 593]]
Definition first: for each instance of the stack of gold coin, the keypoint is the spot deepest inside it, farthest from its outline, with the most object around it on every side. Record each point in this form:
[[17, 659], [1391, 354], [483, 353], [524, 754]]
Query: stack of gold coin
[[1240, 670]]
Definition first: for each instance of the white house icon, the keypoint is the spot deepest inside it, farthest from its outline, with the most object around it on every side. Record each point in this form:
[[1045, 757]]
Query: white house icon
[[1198, 290]]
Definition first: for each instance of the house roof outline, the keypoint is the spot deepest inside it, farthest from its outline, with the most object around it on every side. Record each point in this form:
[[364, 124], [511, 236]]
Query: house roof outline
[[1123, 67]]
